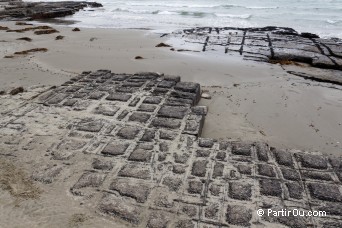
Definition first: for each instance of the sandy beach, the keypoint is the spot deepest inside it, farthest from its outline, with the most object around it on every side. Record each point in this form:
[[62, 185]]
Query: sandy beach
[[249, 101], [266, 103]]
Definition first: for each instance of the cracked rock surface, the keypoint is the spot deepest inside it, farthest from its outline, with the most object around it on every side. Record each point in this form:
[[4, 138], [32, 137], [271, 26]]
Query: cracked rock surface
[[137, 162]]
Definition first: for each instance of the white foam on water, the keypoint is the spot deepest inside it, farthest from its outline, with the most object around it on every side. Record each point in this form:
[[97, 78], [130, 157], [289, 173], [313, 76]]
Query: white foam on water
[[323, 17]]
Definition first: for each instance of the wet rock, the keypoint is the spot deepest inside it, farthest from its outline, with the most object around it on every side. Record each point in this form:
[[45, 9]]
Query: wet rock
[[16, 90], [59, 37], [28, 39], [76, 30], [162, 45]]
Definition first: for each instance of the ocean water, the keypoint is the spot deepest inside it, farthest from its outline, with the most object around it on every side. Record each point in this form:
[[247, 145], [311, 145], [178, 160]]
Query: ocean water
[[323, 17]]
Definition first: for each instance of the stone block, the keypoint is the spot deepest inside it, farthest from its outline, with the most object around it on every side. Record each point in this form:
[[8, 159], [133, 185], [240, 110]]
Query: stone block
[[215, 189], [262, 151], [158, 220], [91, 126], [118, 207], [270, 187], [283, 157], [244, 169], [195, 187], [102, 164], [148, 135], [134, 102], [177, 112], [139, 117], [199, 168], [181, 158], [136, 190], [238, 215], [140, 155], [128, 132], [115, 149], [179, 169], [240, 191], [135, 171], [166, 84], [244, 149], [90, 179], [266, 170], [203, 153], [165, 123], [167, 135], [107, 110], [147, 108], [123, 114], [221, 155], [173, 183], [152, 100], [316, 176], [290, 174], [326, 192], [218, 170], [96, 95], [205, 142], [295, 190], [211, 212], [189, 210], [313, 161], [118, 97]]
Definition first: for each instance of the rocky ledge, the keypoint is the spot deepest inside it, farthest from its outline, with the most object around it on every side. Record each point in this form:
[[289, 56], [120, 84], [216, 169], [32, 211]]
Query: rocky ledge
[[267, 44], [129, 147], [41, 10]]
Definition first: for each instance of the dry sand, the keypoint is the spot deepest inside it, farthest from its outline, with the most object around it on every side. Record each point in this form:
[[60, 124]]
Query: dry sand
[[250, 101]]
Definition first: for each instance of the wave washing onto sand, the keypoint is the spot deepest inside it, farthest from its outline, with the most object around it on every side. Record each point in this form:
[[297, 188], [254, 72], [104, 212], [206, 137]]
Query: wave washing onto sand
[[323, 17]]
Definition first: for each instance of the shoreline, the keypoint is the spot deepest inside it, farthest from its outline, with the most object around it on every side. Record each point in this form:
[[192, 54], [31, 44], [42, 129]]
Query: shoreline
[[116, 49], [86, 150]]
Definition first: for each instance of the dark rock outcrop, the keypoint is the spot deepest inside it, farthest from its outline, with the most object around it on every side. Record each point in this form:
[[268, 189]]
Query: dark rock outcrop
[[43, 10]]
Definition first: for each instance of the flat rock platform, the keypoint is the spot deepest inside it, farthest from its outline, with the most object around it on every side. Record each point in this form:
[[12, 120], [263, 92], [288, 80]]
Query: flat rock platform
[[129, 147]]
